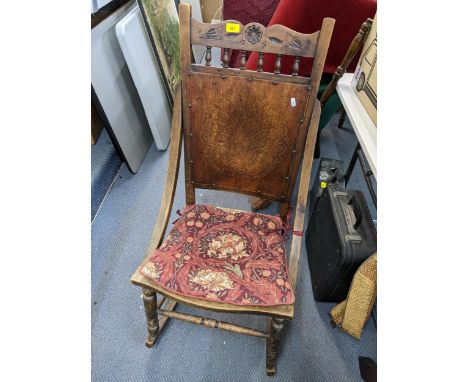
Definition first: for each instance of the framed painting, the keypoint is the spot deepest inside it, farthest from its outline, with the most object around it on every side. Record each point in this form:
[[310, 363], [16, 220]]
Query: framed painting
[[162, 23]]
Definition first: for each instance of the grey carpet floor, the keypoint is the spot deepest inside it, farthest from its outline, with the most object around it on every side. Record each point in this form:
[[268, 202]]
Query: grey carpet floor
[[311, 349], [105, 164]]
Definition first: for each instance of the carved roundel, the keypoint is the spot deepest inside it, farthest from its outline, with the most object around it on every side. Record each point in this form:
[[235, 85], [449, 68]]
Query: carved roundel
[[244, 136], [253, 34]]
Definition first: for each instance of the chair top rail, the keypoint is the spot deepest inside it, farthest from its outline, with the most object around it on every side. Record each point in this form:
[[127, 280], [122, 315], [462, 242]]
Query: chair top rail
[[276, 39]]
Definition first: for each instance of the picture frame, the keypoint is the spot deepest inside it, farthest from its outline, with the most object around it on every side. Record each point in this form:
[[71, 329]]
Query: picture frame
[[162, 24]]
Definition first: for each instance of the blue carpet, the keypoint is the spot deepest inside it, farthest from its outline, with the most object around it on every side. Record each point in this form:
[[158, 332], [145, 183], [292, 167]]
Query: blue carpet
[[311, 349], [105, 164]]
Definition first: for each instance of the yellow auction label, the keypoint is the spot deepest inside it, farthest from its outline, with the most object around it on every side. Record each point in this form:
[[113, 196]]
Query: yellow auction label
[[232, 28], [323, 184]]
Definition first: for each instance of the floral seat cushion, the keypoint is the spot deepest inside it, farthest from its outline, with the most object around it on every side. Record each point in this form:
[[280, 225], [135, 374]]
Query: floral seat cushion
[[223, 255]]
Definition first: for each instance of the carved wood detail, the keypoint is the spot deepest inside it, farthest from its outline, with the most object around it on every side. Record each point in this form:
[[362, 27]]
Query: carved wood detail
[[240, 135], [247, 139], [253, 34], [255, 37]]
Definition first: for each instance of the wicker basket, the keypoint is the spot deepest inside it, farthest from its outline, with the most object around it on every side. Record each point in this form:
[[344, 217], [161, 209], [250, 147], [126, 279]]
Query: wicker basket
[[352, 314]]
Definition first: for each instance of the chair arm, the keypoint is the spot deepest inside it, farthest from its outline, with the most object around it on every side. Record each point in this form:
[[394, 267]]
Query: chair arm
[[171, 179], [306, 170]]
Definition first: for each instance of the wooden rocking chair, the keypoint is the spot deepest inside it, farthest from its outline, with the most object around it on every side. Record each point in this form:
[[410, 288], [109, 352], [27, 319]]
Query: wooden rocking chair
[[245, 132]]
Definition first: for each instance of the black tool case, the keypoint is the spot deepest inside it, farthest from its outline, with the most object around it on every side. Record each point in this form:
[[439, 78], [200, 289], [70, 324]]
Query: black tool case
[[330, 171], [339, 237]]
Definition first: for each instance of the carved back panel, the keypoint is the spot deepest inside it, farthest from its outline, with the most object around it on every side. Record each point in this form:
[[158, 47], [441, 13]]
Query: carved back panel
[[245, 131]]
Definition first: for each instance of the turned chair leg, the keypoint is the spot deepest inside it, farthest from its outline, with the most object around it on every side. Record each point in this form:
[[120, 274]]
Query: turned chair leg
[[150, 302], [274, 328]]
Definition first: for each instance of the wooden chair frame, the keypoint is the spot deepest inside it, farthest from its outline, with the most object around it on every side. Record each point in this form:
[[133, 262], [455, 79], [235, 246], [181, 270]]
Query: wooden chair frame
[[316, 45]]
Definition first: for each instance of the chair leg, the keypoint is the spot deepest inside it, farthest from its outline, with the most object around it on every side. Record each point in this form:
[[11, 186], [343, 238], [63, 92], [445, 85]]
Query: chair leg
[[150, 302], [258, 203], [342, 118], [274, 328]]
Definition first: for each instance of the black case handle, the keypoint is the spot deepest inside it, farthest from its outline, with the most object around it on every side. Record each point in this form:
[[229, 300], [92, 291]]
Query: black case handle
[[357, 211]]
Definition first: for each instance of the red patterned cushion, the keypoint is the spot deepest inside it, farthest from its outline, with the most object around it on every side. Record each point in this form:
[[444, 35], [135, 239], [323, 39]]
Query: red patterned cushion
[[223, 255]]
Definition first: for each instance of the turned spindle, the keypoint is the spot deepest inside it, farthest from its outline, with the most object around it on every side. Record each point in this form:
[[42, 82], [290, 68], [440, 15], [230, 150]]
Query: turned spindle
[[208, 56], [295, 68], [226, 58], [278, 64], [243, 59], [260, 62]]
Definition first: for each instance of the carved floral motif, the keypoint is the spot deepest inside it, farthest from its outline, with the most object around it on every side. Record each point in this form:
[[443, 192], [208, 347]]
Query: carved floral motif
[[253, 34]]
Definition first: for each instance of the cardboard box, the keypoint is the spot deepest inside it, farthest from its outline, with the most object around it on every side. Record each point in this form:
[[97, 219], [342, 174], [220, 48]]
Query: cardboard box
[[364, 81]]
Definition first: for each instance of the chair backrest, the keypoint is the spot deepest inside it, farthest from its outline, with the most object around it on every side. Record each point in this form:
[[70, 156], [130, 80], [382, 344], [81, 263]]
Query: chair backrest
[[245, 131]]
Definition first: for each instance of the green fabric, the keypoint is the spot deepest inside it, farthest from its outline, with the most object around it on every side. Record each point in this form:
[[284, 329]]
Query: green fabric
[[331, 106]]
